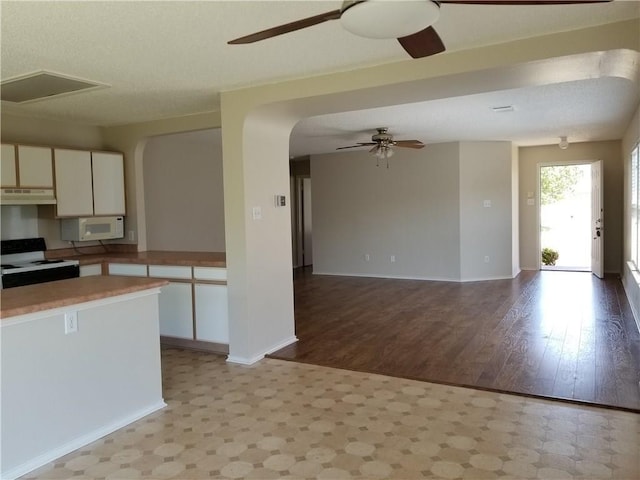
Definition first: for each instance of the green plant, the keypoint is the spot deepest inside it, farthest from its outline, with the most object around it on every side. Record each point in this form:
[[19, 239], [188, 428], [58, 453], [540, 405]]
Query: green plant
[[549, 256]]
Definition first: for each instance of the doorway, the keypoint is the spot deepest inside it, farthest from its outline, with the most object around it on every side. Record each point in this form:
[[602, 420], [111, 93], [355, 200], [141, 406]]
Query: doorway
[[566, 217]]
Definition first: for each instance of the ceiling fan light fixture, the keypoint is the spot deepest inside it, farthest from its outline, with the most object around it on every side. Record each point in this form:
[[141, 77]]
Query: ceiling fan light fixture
[[388, 19], [564, 143]]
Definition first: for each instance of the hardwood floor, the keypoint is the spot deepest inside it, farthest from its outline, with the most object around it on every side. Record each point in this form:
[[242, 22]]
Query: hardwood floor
[[565, 335]]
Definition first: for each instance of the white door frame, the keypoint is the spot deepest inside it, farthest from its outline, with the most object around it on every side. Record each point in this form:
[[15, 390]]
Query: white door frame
[[598, 223], [539, 196]]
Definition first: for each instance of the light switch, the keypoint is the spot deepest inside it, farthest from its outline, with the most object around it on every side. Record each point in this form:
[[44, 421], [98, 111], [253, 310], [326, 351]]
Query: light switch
[[531, 201], [257, 213], [487, 203]]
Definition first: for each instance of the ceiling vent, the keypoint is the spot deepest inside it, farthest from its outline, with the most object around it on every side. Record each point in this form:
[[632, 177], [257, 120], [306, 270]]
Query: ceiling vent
[[42, 85]]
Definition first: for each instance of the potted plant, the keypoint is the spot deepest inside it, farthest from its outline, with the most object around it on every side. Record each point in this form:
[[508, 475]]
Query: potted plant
[[549, 256]]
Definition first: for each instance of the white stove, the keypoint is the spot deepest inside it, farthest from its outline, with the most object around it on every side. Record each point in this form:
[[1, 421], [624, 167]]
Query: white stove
[[24, 263]]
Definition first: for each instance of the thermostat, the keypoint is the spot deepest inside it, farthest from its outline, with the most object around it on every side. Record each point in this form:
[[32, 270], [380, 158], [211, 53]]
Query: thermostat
[[281, 201]]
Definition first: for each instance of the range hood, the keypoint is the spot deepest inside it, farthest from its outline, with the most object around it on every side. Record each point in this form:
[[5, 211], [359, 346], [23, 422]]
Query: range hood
[[27, 196]]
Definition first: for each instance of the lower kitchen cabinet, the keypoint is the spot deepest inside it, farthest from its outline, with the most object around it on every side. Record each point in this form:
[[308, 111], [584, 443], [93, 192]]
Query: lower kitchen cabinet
[[176, 311], [212, 320], [194, 297], [90, 270]]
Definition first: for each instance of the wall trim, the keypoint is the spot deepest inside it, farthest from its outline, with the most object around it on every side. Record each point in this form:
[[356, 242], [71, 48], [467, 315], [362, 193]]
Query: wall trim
[[257, 358], [80, 442]]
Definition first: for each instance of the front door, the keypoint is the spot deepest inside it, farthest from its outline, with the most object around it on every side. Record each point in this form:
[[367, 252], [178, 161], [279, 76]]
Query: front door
[[597, 220]]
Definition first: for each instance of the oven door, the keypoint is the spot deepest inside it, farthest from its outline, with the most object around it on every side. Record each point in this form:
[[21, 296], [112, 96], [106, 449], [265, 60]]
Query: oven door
[[20, 279]]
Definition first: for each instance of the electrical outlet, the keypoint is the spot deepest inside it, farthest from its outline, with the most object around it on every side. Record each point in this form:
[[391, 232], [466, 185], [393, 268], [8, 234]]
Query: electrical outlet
[[367, 257], [70, 322], [132, 235], [486, 259]]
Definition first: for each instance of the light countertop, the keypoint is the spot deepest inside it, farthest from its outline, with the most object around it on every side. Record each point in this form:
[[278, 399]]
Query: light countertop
[[46, 296], [197, 259]]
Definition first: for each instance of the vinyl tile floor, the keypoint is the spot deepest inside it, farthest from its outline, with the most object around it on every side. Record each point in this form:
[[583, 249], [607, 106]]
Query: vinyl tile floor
[[279, 419]]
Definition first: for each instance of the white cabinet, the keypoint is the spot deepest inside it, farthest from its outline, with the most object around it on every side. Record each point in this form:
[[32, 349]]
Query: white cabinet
[[90, 270], [74, 192], [127, 269], [192, 299], [108, 183], [212, 320], [35, 167], [8, 172], [89, 183], [176, 311], [170, 271], [25, 166]]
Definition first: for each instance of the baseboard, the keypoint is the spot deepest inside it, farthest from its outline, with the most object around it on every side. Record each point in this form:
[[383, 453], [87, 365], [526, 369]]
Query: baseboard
[[79, 442], [212, 347], [393, 277], [428, 279], [257, 358]]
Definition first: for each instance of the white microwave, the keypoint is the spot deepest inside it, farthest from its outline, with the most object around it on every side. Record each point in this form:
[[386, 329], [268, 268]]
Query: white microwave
[[91, 228]]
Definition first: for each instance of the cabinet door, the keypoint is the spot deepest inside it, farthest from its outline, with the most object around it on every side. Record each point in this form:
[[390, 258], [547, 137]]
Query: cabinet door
[[34, 166], [8, 161], [212, 320], [108, 183], [176, 311], [90, 270], [74, 193]]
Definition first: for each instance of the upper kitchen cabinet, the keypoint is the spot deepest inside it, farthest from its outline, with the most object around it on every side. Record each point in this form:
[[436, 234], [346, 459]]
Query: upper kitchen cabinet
[[74, 192], [8, 173], [89, 183], [108, 183], [35, 167], [26, 166]]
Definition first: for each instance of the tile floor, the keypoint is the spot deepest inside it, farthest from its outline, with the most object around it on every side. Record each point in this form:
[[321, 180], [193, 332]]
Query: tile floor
[[280, 419]]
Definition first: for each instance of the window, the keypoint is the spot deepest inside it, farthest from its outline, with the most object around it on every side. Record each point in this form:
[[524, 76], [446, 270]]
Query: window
[[635, 202]]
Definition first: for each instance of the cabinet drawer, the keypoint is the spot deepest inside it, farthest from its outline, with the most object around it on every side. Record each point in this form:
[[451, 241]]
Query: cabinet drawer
[[210, 273], [128, 269], [90, 270], [164, 271]]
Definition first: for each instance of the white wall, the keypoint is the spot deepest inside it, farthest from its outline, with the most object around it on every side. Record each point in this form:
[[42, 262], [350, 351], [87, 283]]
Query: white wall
[[19, 221], [38, 131], [60, 392], [184, 192], [630, 277], [485, 176], [426, 210]]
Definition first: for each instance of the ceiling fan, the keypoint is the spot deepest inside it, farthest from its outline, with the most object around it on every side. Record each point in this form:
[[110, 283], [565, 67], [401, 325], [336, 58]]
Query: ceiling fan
[[409, 21], [382, 143]]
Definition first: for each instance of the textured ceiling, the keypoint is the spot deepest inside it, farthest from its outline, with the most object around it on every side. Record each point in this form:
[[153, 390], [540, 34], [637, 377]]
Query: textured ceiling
[[164, 59]]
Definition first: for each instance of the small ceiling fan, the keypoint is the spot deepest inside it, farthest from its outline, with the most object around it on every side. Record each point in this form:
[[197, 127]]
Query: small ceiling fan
[[409, 21], [382, 143]]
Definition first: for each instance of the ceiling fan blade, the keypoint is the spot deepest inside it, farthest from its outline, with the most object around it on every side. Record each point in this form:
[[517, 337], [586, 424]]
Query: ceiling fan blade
[[287, 27], [521, 2], [422, 44], [374, 149], [409, 144], [358, 146]]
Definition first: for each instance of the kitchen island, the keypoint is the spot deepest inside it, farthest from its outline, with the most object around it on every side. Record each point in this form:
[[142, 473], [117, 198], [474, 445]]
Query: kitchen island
[[80, 358]]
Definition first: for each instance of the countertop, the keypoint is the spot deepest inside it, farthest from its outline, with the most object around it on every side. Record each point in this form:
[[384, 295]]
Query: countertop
[[45, 296], [198, 259]]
